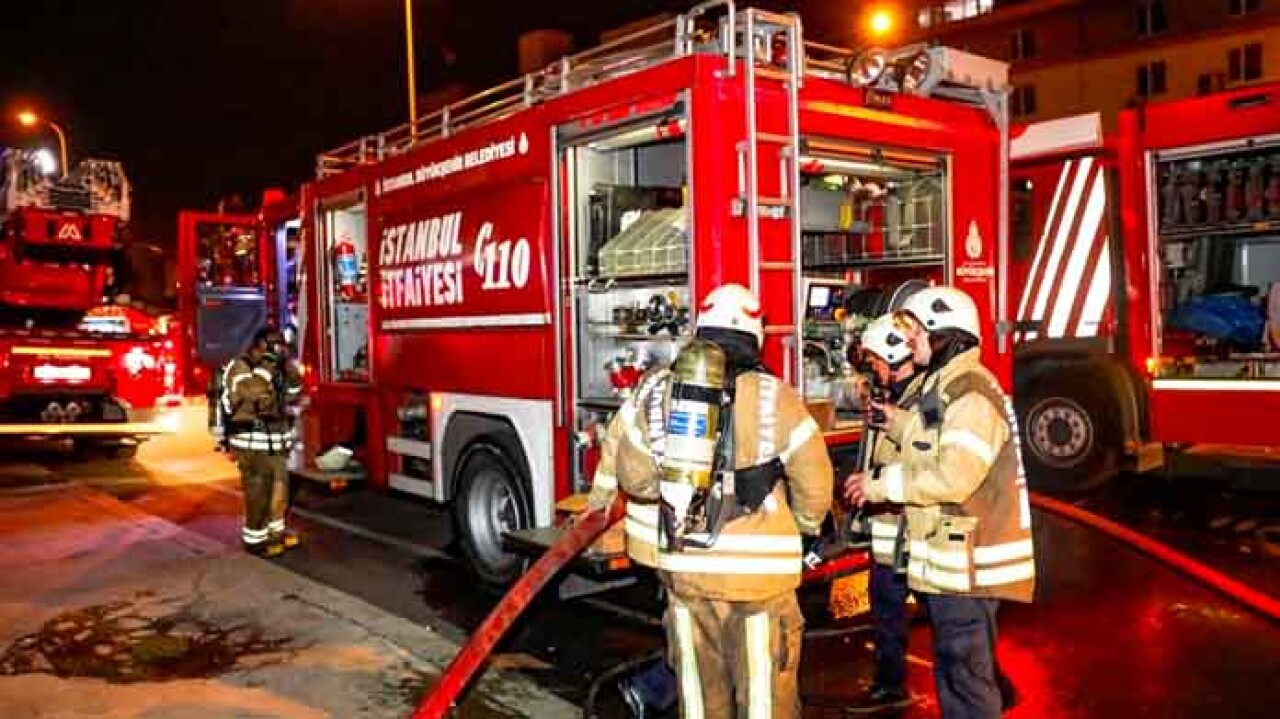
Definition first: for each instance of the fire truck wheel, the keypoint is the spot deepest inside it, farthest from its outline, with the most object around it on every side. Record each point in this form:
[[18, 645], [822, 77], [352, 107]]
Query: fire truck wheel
[[1069, 437], [490, 500]]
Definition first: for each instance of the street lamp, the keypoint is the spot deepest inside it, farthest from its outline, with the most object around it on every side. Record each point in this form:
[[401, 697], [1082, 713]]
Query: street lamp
[[880, 23], [413, 81], [27, 118]]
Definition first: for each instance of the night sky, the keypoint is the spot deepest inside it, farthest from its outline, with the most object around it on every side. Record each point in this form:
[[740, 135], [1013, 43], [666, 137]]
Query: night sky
[[204, 99]]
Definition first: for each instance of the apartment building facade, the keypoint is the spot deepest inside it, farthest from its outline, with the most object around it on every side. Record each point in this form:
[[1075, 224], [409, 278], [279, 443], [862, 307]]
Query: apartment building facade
[[1073, 56]]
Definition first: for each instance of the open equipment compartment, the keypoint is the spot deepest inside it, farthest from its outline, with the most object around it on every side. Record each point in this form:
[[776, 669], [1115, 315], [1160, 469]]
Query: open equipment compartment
[[872, 219], [627, 225], [1219, 245], [345, 288]]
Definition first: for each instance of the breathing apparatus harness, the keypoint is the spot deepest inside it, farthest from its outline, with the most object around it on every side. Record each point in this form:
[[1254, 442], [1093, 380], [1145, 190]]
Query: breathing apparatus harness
[[274, 363], [701, 491]]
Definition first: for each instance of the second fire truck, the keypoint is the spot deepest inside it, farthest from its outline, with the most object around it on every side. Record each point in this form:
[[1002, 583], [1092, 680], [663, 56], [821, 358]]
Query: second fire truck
[[1146, 275], [483, 287], [74, 365]]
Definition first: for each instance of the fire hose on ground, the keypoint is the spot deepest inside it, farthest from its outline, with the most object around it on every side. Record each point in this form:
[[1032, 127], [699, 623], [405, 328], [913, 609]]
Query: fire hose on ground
[[585, 531], [1259, 602]]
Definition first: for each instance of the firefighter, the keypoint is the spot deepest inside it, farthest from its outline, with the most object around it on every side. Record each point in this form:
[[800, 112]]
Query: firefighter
[[960, 479], [894, 367], [652, 689], [731, 568], [258, 387]]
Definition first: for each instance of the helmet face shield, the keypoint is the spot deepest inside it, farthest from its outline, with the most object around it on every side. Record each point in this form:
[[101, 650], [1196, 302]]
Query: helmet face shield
[[884, 340]]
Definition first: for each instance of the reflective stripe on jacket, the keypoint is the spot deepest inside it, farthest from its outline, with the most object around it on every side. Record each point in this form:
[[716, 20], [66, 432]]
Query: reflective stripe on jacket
[[604, 485], [968, 514], [887, 450], [756, 556], [257, 416]]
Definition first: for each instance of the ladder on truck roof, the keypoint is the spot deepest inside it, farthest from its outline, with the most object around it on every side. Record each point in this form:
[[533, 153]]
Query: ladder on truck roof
[[951, 75]]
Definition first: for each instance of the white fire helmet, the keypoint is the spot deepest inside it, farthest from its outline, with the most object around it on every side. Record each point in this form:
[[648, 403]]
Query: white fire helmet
[[882, 338], [941, 308], [732, 307]]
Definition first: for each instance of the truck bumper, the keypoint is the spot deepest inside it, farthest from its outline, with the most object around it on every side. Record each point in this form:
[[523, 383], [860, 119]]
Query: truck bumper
[[142, 423]]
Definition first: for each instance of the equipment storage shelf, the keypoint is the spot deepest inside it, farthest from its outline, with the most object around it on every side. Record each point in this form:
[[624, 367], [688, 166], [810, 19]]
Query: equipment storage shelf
[[1218, 227], [627, 218], [863, 206], [628, 326]]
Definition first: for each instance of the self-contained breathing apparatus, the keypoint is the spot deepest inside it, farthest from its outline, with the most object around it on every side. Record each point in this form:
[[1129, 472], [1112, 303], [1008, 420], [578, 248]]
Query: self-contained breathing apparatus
[[270, 414], [700, 489]]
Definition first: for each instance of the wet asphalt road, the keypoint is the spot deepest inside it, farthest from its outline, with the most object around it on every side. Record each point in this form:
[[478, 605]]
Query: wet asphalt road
[[1112, 633]]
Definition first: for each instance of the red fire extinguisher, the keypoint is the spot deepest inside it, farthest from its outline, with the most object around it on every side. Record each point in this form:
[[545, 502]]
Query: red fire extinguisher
[[347, 266]]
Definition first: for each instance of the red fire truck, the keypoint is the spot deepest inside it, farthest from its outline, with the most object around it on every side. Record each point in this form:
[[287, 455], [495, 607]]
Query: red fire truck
[[1146, 275], [237, 271], [72, 367], [483, 286]]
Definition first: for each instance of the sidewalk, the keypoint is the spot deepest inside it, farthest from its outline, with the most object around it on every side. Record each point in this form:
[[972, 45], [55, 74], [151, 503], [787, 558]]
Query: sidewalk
[[109, 612]]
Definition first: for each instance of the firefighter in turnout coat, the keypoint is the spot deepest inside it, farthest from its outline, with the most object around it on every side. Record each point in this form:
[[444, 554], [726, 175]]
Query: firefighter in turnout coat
[[258, 387], [894, 365], [652, 689], [960, 479], [734, 627]]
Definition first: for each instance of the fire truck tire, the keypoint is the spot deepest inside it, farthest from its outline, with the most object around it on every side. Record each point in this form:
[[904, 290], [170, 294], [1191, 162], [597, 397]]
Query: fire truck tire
[[491, 499], [1070, 435]]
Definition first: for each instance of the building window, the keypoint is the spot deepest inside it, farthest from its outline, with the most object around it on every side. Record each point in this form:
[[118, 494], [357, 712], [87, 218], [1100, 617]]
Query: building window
[[1151, 79], [1020, 224], [1022, 101], [1243, 7], [1245, 63], [941, 13], [1023, 45], [1204, 83], [1151, 17]]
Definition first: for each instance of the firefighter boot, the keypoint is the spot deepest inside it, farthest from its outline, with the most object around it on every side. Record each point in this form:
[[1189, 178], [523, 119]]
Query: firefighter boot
[[268, 549], [880, 699]]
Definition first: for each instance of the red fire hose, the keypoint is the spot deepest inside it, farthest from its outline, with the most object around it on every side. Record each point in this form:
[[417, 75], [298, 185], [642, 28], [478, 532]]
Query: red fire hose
[[482, 641], [586, 530], [1260, 602], [570, 544]]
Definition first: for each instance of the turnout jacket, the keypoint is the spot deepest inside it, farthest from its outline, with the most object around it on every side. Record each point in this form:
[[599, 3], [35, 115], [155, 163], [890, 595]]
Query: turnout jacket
[[963, 484], [757, 556], [886, 526], [255, 399]]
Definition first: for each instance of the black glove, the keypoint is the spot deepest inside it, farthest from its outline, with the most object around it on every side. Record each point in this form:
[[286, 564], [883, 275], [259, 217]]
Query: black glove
[[813, 546]]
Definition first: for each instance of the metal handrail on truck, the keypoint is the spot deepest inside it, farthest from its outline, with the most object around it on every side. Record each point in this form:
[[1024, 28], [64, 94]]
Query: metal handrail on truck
[[616, 58]]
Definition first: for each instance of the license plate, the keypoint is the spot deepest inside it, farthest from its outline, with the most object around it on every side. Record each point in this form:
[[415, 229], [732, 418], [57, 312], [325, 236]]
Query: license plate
[[62, 373]]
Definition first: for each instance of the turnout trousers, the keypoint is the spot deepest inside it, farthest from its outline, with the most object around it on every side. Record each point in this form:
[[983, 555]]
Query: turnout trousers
[[889, 592], [964, 642], [264, 478], [736, 660]]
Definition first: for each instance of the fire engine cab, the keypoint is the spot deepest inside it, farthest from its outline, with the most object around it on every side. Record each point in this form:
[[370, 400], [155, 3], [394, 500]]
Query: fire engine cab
[[486, 285], [1146, 272]]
